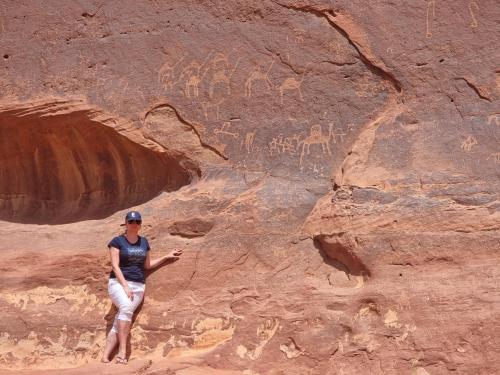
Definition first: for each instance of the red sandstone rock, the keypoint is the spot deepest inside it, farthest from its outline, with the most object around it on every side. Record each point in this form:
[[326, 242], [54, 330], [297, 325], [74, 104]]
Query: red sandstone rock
[[331, 172]]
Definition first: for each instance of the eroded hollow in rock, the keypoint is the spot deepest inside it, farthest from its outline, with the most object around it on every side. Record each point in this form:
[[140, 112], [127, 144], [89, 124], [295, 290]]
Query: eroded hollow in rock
[[67, 167], [341, 249]]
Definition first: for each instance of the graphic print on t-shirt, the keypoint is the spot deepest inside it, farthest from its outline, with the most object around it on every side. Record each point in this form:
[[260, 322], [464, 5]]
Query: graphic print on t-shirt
[[135, 254]]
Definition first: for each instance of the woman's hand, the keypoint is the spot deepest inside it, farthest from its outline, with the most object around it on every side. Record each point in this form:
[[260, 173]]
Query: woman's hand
[[174, 254], [129, 293]]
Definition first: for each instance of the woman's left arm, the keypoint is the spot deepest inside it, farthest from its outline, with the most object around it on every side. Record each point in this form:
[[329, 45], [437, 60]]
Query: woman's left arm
[[150, 264]]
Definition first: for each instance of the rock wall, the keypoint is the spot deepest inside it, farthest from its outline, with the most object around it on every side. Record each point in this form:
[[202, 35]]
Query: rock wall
[[331, 170]]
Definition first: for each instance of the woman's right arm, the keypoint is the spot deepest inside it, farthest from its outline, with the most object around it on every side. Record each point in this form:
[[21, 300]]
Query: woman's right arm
[[115, 263]]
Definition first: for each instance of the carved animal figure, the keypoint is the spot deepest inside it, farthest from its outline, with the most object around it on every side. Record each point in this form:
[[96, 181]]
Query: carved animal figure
[[469, 143], [291, 84], [495, 157], [166, 74], [221, 73], [225, 129], [316, 137], [207, 106], [258, 75], [192, 74]]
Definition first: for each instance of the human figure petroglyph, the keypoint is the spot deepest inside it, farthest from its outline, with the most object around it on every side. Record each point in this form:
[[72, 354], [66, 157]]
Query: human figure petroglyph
[[258, 75], [431, 10], [221, 74], [274, 146], [209, 106], [495, 157], [473, 5], [299, 35], [316, 137], [469, 143], [249, 139], [166, 73], [286, 146], [282, 145], [225, 130]]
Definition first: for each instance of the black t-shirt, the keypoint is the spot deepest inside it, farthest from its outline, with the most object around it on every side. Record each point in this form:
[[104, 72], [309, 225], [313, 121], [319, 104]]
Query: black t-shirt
[[132, 257]]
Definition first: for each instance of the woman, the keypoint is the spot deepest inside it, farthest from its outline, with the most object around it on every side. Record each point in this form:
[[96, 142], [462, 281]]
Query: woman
[[130, 257]]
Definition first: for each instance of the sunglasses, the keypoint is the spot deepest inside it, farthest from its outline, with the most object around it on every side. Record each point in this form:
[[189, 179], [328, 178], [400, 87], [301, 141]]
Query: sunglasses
[[138, 222]]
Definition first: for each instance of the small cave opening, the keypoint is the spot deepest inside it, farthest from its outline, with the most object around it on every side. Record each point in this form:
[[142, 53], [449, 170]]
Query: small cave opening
[[66, 167], [339, 251]]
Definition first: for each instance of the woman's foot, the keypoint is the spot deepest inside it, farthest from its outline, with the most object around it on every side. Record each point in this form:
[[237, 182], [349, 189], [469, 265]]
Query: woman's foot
[[105, 360], [121, 360]]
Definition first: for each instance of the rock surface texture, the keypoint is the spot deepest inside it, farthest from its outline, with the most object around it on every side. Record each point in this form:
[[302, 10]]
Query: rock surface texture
[[330, 169]]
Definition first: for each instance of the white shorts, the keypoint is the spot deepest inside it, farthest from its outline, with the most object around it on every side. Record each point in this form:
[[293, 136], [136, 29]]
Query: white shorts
[[125, 306]]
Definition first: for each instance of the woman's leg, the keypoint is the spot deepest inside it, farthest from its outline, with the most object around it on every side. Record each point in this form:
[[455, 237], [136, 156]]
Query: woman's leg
[[111, 342], [123, 303], [123, 332], [124, 318]]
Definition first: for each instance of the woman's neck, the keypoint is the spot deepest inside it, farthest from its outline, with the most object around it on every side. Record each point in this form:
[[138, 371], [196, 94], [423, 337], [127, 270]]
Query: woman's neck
[[132, 237]]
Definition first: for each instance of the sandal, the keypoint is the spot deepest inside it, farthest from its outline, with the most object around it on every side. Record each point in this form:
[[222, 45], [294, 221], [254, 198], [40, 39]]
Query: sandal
[[121, 360]]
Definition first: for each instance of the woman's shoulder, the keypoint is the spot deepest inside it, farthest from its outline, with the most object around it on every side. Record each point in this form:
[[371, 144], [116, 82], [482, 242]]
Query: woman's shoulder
[[116, 239]]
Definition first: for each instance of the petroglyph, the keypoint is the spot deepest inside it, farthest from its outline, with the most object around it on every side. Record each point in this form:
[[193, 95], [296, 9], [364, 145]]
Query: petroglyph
[[248, 143], [280, 253], [2, 19], [212, 108], [495, 157], [166, 74], [391, 319], [212, 332], [316, 137], [290, 349], [431, 12], [334, 47], [280, 145], [206, 334], [473, 7], [494, 118], [365, 88], [225, 130], [338, 137], [291, 84], [469, 143], [265, 333], [193, 76], [258, 75], [221, 73], [408, 328]]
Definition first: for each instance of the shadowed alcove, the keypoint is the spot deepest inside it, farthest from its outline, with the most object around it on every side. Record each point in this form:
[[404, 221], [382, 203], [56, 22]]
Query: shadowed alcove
[[66, 166]]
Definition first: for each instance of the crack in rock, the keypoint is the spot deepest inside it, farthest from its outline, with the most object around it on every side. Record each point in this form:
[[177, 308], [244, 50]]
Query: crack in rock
[[336, 21]]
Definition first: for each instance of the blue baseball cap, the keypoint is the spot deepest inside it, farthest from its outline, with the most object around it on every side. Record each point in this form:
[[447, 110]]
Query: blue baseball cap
[[133, 215]]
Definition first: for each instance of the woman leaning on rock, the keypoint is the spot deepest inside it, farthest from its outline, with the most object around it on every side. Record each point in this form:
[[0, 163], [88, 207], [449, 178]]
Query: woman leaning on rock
[[130, 257]]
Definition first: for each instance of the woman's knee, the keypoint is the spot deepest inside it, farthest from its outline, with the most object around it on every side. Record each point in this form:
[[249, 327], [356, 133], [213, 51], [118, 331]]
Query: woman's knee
[[125, 311]]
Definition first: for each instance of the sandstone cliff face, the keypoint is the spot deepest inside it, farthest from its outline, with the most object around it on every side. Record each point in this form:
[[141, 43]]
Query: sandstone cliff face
[[331, 170]]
